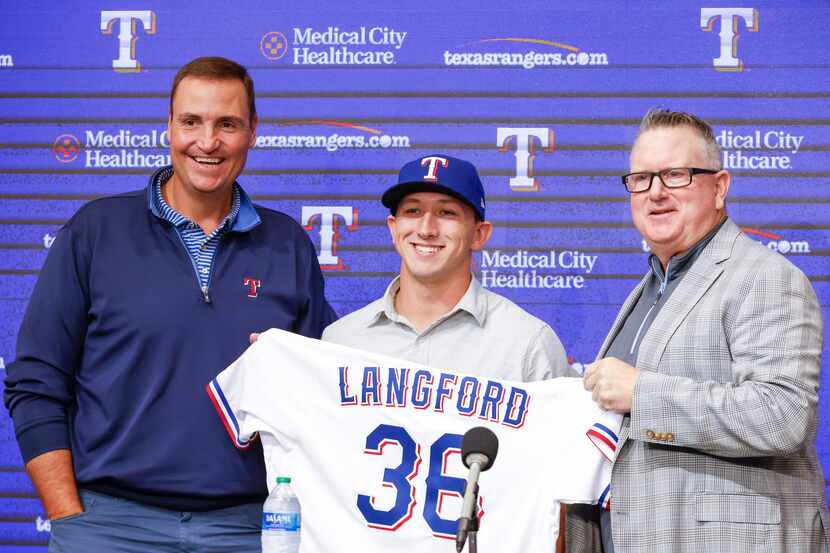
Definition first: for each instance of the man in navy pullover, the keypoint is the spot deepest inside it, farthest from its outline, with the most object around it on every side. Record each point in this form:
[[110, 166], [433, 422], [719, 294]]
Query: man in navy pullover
[[143, 298]]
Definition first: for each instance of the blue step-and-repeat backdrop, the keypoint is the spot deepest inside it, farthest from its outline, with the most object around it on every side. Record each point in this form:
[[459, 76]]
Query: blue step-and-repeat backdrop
[[544, 97]]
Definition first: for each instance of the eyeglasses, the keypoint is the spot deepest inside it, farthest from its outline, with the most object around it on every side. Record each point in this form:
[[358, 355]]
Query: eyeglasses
[[675, 177]]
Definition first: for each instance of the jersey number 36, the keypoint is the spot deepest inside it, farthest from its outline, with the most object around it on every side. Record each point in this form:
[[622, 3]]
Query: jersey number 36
[[438, 484]]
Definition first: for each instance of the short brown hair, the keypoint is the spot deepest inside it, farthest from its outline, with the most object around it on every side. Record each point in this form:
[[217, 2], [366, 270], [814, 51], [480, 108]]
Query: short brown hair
[[220, 69], [661, 118]]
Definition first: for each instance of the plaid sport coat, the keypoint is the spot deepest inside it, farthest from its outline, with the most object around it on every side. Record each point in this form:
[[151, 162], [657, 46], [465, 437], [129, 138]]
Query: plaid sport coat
[[718, 453]]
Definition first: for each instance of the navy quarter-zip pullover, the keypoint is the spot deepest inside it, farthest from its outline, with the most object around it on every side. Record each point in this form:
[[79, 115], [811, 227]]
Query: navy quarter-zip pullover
[[118, 343]]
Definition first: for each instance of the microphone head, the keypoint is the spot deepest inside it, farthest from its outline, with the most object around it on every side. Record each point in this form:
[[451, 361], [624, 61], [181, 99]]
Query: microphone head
[[482, 441]]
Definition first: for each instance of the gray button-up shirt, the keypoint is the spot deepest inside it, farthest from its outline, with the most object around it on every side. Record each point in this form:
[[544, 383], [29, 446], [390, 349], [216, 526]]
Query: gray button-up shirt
[[484, 334]]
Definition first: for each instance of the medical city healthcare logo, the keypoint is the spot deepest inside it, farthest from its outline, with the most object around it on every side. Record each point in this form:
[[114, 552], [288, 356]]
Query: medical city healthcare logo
[[333, 45], [273, 45], [759, 148], [544, 269], [526, 52], [118, 149], [66, 148]]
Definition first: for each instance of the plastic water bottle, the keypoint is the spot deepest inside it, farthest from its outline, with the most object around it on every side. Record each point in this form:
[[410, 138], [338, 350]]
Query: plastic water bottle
[[281, 519]]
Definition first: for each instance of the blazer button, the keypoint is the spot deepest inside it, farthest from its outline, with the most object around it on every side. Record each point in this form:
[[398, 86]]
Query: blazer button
[[660, 436], [650, 434], [670, 437]]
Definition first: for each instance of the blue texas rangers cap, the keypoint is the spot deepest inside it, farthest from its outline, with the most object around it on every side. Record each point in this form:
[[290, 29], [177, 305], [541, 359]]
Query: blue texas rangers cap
[[438, 173]]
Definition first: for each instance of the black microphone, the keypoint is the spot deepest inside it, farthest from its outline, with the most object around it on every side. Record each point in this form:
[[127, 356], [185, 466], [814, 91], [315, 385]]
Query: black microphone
[[478, 451]]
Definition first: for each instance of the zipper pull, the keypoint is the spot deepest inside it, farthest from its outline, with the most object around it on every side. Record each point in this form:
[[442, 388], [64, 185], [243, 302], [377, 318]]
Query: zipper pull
[[205, 294]]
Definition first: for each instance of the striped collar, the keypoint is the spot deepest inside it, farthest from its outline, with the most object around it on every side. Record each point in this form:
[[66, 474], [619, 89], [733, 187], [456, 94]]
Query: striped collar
[[242, 218]]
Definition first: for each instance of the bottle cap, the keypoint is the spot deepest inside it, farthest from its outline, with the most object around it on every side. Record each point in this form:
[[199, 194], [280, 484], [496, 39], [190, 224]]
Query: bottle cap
[[283, 479]]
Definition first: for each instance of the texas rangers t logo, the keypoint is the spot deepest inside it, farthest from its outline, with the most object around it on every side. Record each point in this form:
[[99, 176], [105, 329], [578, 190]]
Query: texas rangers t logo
[[433, 161], [253, 284]]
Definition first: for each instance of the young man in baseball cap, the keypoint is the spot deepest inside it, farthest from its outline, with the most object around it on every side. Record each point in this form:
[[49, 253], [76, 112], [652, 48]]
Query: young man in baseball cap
[[436, 312]]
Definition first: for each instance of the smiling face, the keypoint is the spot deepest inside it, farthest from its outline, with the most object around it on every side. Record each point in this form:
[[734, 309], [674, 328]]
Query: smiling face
[[435, 235], [210, 134], [672, 220]]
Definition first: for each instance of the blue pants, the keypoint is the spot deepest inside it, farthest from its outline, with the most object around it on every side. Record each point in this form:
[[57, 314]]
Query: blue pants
[[113, 525]]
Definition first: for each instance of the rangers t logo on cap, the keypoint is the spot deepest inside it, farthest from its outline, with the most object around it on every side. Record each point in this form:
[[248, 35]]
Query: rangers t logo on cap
[[433, 161]]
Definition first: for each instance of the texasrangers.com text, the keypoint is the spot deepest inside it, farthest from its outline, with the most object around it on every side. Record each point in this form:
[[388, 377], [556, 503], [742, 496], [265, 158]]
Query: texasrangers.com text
[[528, 60], [332, 142]]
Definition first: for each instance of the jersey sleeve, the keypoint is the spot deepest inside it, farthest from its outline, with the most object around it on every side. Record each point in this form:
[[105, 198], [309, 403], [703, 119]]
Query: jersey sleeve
[[251, 391], [228, 393], [604, 435], [589, 437], [268, 389]]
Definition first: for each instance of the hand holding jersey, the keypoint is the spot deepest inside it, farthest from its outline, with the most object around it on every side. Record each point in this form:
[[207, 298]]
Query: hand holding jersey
[[611, 383]]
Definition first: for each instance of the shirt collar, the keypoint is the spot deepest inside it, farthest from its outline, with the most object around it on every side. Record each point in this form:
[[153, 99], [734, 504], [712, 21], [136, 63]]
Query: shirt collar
[[387, 304], [474, 302], [678, 264], [242, 218]]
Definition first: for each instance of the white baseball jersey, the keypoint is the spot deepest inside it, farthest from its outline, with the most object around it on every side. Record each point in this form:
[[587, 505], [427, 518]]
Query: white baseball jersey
[[373, 446]]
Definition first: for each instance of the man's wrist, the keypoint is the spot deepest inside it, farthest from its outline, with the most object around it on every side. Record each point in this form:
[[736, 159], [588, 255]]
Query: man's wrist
[[65, 512]]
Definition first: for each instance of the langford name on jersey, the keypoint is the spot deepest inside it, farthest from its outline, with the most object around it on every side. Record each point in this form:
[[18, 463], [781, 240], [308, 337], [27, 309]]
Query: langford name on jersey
[[421, 389]]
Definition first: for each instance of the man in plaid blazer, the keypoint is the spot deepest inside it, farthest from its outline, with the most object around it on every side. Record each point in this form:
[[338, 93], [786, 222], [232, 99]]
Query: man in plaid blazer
[[714, 361]]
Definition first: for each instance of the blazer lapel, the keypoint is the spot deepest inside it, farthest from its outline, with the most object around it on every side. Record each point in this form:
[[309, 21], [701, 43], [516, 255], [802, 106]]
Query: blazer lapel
[[695, 283]]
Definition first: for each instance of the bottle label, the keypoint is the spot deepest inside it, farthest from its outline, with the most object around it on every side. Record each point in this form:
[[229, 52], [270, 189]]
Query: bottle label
[[281, 521]]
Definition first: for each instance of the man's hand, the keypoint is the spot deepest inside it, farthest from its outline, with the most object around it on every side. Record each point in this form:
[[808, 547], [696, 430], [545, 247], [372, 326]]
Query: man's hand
[[253, 337], [611, 382], [54, 480]]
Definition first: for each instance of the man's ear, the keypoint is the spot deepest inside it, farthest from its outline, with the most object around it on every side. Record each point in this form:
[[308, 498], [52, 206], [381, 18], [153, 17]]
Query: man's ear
[[391, 224], [483, 231], [254, 122], [721, 189]]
